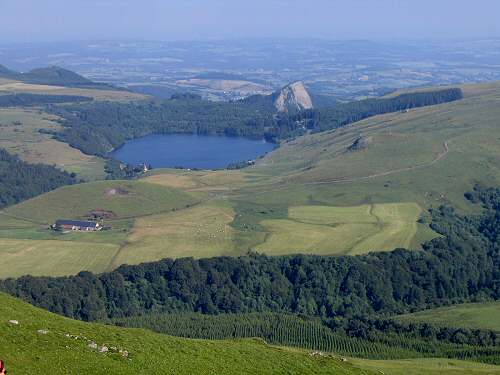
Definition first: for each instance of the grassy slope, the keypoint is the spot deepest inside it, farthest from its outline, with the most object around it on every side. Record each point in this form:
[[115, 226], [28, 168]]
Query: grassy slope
[[471, 315], [428, 156], [19, 135], [27, 352], [126, 199], [27, 246]]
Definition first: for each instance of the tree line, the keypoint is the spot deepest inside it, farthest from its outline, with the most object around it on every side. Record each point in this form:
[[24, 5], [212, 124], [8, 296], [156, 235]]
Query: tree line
[[20, 180]]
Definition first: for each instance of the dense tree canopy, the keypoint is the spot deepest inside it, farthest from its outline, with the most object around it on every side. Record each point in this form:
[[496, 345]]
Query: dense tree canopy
[[20, 180]]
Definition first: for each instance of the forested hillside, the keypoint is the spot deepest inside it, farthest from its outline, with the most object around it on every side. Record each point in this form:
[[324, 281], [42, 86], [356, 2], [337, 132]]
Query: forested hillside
[[20, 180], [97, 128], [461, 266]]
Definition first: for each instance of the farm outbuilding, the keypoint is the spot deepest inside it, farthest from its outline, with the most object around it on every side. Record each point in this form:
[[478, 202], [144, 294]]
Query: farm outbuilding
[[76, 225]]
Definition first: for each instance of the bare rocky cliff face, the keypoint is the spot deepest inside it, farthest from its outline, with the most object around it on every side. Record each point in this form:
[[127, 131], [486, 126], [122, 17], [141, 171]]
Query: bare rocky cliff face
[[293, 98]]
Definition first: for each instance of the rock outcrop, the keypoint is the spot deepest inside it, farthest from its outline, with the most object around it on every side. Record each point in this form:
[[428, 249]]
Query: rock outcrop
[[293, 98]]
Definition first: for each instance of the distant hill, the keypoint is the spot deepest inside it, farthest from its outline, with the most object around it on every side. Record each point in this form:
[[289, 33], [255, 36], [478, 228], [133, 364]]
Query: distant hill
[[52, 75], [56, 75]]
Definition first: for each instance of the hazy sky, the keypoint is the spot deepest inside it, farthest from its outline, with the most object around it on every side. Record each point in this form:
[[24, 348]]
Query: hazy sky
[[54, 20]]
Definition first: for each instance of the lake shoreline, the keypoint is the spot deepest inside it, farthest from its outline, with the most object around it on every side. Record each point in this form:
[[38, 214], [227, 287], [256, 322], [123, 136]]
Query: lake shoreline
[[191, 151]]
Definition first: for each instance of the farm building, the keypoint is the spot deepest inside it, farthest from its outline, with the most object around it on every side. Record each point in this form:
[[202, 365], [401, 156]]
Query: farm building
[[77, 225]]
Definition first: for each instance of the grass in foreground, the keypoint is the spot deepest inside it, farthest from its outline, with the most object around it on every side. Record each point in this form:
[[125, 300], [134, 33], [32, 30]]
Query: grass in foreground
[[28, 352], [64, 349], [471, 315]]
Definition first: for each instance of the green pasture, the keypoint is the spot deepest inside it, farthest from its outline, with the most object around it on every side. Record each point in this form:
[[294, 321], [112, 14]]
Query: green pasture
[[125, 199], [342, 230], [471, 315]]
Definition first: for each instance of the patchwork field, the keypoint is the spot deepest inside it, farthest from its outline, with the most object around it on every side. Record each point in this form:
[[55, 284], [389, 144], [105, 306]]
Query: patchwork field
[[20, 135], [28, 246], [342, 230], [472, 315], [97, 94], [315, 194], [200, 232], [52, 257]]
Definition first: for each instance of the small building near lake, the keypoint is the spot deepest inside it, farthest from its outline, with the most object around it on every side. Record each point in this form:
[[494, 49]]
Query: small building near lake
[[76, 225]]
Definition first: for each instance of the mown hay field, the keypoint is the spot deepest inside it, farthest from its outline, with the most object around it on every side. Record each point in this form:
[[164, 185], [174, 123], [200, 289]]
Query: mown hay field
[[342, 230]]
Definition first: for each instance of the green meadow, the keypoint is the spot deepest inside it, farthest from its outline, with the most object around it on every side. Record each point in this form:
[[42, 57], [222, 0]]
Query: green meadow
[[471, 315]]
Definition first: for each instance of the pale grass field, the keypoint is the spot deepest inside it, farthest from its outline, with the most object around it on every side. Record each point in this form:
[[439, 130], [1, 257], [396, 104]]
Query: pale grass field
[[342, 230], [111, 95], [53, 258], [200, 181], [200, 232]]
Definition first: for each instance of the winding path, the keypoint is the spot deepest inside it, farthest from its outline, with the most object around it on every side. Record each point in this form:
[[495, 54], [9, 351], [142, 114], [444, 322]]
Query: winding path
[[344, 180]]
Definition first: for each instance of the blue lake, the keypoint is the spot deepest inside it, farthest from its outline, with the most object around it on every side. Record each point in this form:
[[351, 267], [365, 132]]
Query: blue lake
[[190, 151]]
